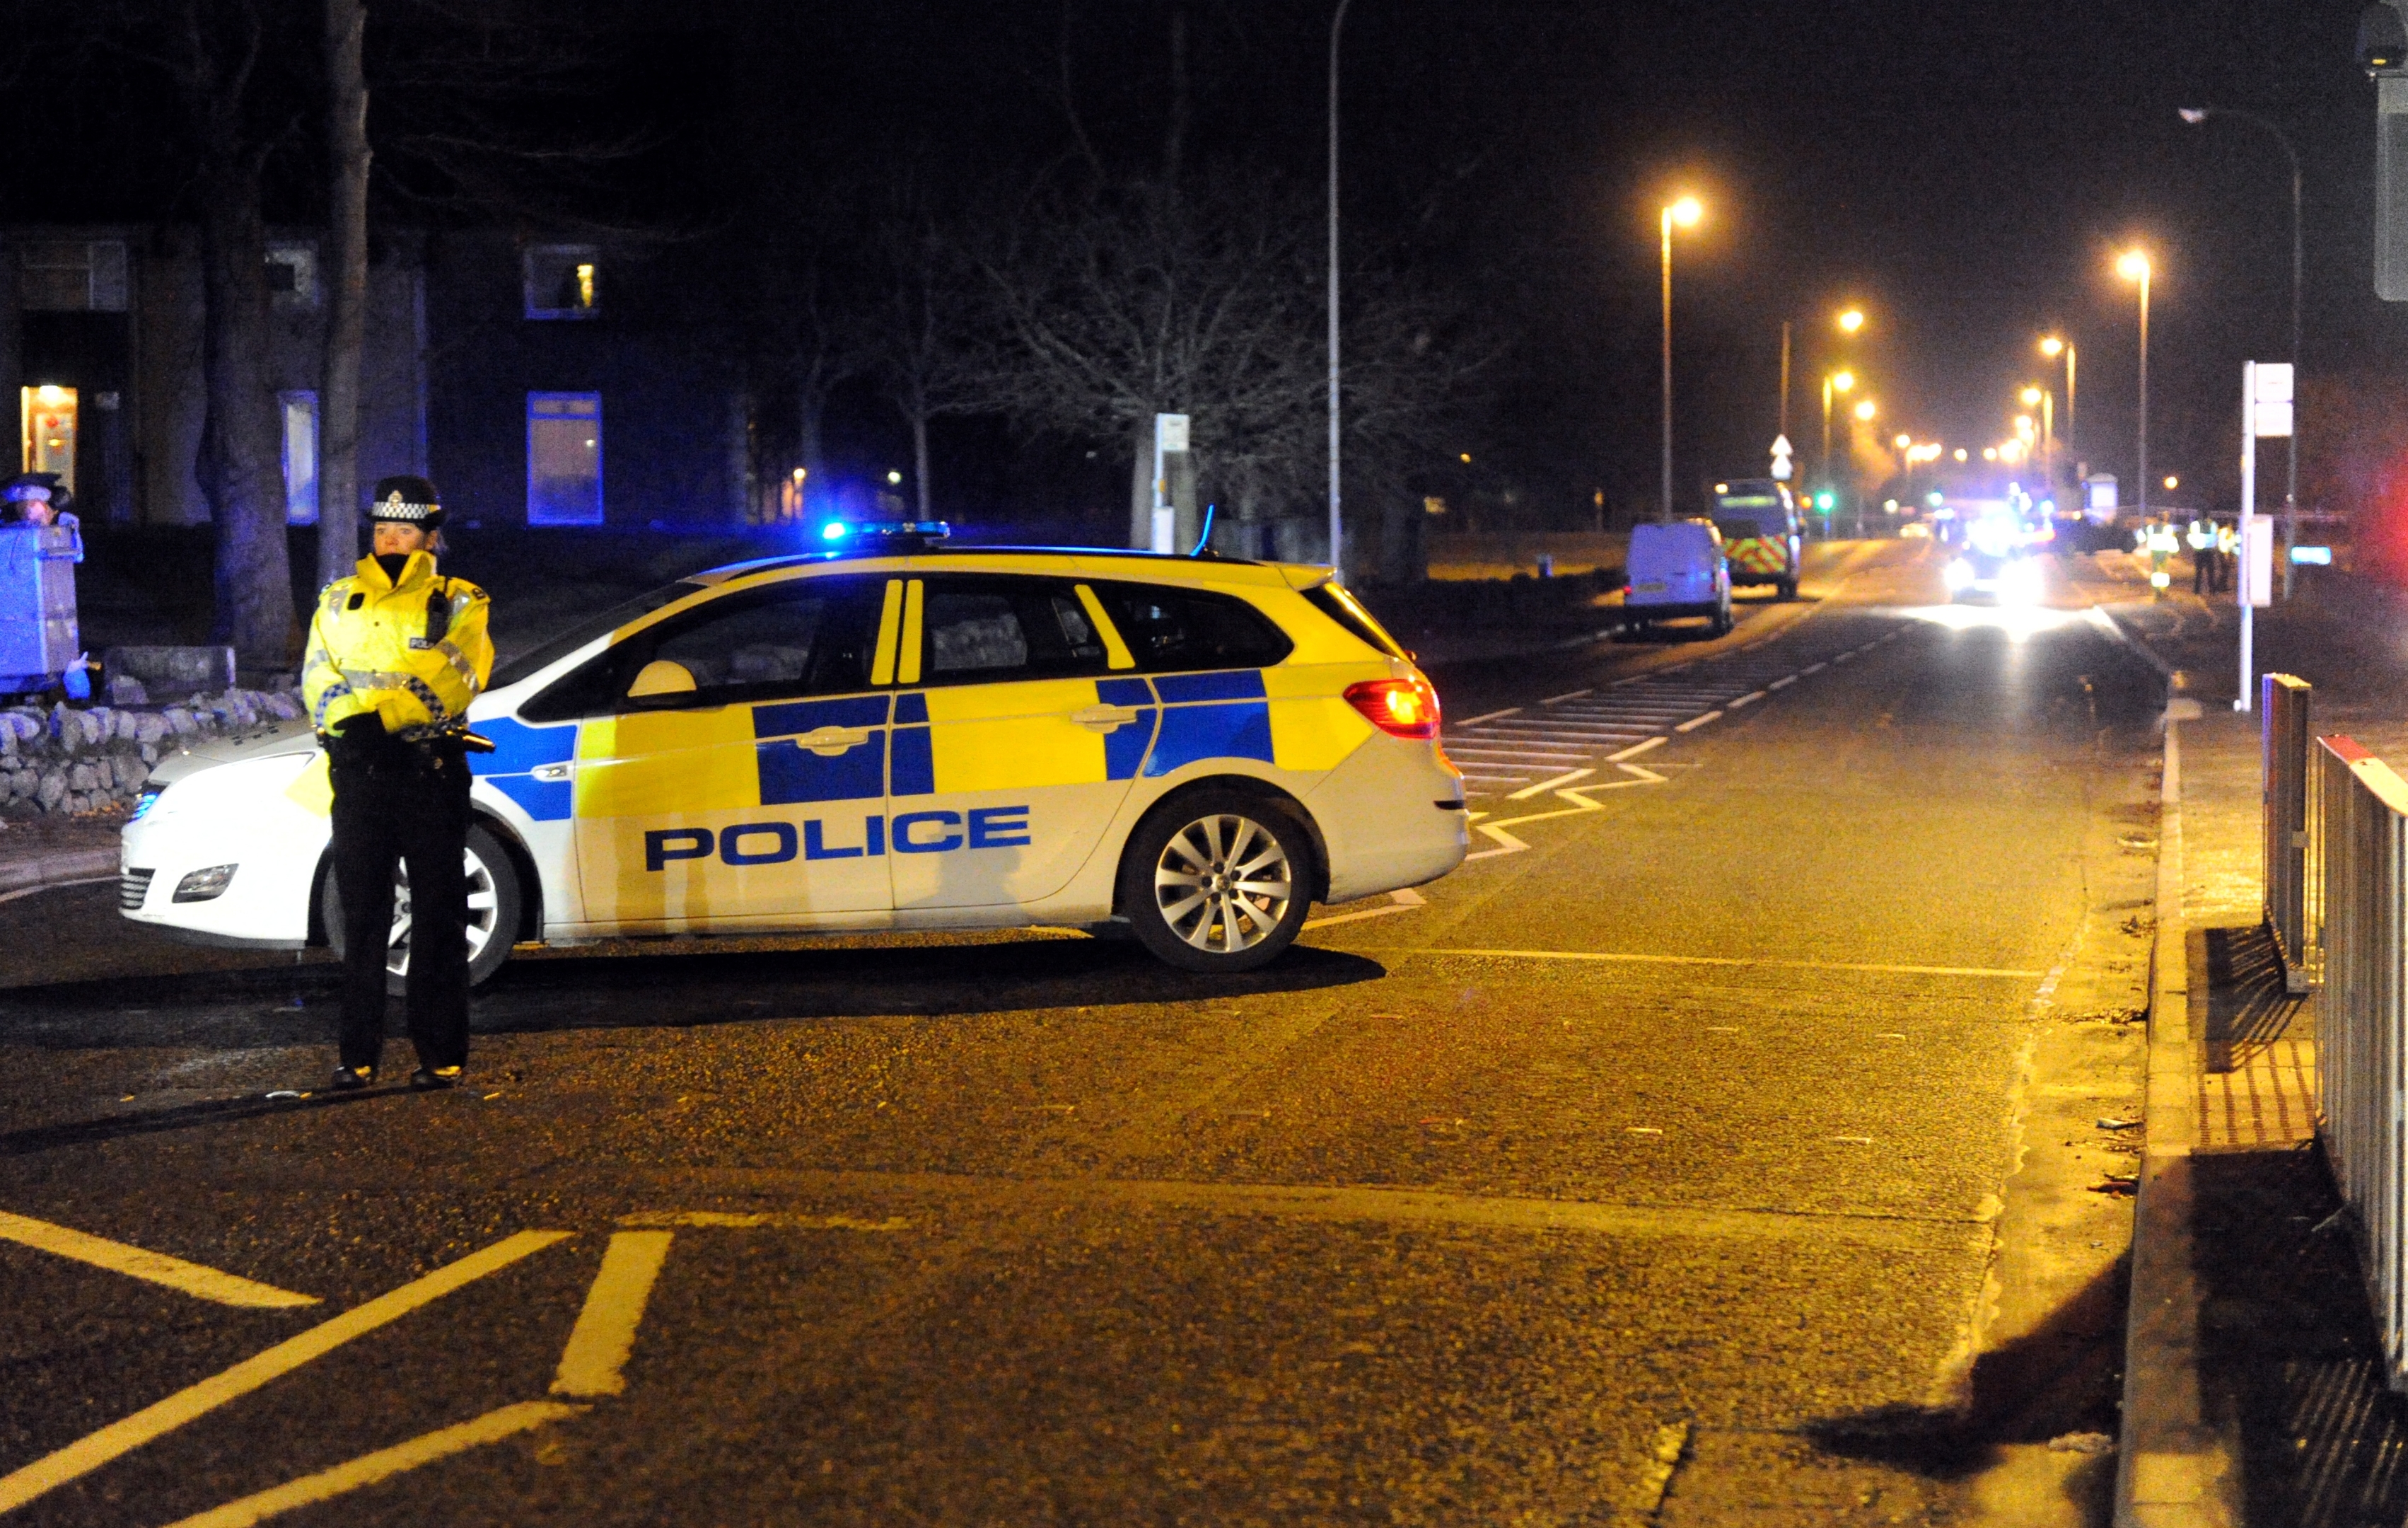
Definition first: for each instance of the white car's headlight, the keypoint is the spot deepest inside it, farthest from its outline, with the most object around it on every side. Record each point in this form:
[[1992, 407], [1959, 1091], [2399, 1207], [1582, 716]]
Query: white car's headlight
[[1957, 574], [205, 884]]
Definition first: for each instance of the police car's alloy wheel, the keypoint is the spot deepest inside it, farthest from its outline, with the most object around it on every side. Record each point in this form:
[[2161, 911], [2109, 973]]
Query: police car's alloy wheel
[[493, 907], [1217, 882]]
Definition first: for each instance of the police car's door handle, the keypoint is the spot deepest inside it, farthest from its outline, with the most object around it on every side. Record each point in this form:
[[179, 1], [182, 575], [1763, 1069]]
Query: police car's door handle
[[550, 771], [833, 739], [1104, 718]]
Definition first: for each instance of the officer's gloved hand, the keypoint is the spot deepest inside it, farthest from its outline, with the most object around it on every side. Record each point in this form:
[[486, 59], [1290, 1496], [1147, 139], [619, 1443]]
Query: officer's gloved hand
[[358, 740]]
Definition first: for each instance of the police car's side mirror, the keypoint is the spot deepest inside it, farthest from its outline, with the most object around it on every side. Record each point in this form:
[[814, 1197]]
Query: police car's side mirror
[[661, 677]]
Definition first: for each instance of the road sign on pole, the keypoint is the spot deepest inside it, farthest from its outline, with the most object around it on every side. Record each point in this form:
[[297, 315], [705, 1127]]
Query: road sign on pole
[[1169, 437], [1782, 451]]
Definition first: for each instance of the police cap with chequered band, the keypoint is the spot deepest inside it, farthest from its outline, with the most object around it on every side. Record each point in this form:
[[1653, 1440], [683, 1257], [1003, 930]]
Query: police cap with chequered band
[[407, 500]]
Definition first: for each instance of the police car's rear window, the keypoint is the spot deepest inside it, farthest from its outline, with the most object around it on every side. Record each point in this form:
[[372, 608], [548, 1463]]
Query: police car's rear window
[[1175, 630], [1343, 606]]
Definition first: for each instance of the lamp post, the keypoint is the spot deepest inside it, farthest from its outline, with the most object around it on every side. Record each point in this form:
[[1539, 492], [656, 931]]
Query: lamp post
[[2194, 115], [2133, 266], [1865, 411], [1685, 212], [1833, 382], [2049, 346], [1337, 522]]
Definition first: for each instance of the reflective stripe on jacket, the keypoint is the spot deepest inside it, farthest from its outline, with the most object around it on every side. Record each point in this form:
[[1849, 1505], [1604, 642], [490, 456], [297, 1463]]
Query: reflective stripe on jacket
[[414, 651]]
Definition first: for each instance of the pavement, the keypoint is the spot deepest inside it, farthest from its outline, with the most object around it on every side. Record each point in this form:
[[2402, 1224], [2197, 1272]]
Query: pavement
[[1737, 1141], [2256, 1385]]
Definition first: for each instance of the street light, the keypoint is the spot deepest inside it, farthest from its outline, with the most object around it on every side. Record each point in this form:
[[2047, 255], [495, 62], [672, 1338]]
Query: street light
[[2133, 266], [1866, 411], [2194, 115], [2049, 346], [1685, 212], [1835, 382], [1852, 319], [1336, 526]]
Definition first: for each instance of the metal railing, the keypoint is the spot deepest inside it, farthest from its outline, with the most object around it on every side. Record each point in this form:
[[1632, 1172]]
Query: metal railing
[[2284, 832], [2357, 844]]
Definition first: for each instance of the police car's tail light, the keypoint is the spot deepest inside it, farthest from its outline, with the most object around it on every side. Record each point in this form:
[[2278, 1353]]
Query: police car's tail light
[[1402, 708]]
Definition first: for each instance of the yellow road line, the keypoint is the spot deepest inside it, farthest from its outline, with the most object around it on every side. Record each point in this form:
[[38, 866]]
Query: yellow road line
[[604, 1335], [191, 1279], [384, 1465], [90, 1451], [1999, 972], [771, 1219]]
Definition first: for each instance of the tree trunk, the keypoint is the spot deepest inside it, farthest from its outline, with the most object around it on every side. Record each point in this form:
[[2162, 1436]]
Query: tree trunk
[[810, 442], [920, 459], [346, 270], [1141, 489], [239, 466]]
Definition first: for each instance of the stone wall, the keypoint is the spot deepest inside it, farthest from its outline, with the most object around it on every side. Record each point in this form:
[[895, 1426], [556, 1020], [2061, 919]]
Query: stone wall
[[67, 759]]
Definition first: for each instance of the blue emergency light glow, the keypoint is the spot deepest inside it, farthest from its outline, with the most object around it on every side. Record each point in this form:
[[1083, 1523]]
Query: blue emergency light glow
[[2318, 557], [834, 531]]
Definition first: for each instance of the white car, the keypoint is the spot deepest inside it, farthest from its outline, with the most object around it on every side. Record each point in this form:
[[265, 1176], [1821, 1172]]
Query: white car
[[901, 737]]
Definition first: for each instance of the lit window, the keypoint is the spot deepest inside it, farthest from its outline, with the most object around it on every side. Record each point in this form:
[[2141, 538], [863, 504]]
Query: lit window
[[563, 280], [293, 274], [300, 414], [564, 458]]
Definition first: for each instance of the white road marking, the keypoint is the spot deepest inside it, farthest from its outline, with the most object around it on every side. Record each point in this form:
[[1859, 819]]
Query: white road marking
[[749, 1221], [1545, 786], [94, 1450], [1782, 682], [1568, 694], [1843, 657], [384, 1465], [52, 886], [1695, 722], [1399, 901], [201, 1283], [1997, 973], [604, 1338], [1750, 699], [1509, 711], [1813, 668], [1635, 749]]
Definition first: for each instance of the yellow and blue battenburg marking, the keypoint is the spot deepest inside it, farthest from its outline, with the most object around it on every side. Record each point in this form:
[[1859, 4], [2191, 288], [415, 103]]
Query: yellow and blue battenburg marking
[[920, 742]]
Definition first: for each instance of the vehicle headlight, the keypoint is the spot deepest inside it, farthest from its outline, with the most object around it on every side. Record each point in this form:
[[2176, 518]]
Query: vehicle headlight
[[203, 885], [1958, 573]]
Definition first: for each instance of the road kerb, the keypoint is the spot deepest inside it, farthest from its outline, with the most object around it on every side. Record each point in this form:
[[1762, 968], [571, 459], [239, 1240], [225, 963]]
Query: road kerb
[[2174, 1468]]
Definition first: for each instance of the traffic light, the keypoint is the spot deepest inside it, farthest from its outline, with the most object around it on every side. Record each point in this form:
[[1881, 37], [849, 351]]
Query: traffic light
[[1825, 501]]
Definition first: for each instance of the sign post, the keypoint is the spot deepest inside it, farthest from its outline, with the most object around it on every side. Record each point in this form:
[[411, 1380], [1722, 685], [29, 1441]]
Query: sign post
[[1169, 435], [2265, 411], [1782, 451]]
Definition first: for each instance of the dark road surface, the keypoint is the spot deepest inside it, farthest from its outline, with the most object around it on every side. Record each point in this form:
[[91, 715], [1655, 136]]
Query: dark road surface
[[1650, 1168]]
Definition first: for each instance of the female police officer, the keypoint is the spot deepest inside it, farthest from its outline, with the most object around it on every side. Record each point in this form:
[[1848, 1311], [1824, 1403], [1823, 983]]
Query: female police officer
[[396, 652]]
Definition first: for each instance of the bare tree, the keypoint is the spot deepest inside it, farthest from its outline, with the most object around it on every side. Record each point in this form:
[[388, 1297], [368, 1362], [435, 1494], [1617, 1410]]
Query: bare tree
[[347, 288], [922, 317]]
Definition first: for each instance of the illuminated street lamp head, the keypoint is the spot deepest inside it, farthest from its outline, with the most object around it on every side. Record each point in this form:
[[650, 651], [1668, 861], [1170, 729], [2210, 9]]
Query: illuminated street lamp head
[[2052, 346], [2172, 484], [1842, 381], [1685, 212], [2031, 397], [1852, 319], [1903, 441], [1866, 411], [1989, 453], [1960, 454], [2133, 266], [2192, 114]]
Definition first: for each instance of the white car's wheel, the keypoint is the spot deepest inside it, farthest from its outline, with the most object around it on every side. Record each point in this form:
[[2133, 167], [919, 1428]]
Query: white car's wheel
[[493, 907], [1217, 881]]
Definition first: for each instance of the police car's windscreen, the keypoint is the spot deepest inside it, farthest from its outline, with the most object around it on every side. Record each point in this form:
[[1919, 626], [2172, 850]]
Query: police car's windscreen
[[537, 659]]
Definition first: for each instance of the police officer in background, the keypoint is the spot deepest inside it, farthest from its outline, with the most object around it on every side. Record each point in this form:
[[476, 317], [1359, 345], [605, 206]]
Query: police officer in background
[[396, 652]]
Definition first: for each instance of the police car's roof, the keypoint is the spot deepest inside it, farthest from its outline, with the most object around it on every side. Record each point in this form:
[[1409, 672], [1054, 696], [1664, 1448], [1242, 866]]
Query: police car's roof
[[905, 550]]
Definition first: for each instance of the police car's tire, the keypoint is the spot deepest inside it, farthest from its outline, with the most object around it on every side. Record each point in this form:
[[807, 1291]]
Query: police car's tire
[[494, 904], [1217, 881]]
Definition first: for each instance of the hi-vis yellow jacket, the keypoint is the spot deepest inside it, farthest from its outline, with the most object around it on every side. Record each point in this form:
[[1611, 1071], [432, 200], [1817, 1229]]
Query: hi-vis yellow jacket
[[415, 651]]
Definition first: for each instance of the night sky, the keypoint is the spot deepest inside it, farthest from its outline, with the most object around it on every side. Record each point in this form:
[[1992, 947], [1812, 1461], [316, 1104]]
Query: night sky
[[1964, 172]]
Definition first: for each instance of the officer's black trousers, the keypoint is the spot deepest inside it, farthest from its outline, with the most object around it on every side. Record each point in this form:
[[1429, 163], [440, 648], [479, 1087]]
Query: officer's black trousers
[[412, 807]]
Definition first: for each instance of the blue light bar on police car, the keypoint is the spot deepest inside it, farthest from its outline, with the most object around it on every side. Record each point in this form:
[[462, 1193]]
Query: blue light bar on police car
[[887, 530], [2320, 556]]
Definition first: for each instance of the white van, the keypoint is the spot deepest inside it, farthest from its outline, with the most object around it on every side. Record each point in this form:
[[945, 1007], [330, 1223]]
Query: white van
[[1676, 569]]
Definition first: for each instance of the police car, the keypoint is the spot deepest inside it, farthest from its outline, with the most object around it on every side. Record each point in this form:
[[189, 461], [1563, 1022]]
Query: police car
[[902, 735]]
